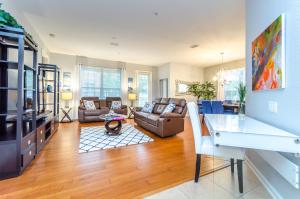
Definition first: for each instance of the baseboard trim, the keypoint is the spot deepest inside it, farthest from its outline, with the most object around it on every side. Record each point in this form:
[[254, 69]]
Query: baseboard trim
[[272, 191]]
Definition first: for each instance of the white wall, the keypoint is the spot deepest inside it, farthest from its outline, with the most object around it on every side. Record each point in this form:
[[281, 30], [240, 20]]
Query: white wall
[[11, 7], [211, 71], [70, 63], [163, 73], [186, 73], [182, 72], [259, 15]]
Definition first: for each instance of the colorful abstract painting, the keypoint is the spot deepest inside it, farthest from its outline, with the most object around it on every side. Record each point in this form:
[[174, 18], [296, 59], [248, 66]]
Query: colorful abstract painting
[[268, 58]]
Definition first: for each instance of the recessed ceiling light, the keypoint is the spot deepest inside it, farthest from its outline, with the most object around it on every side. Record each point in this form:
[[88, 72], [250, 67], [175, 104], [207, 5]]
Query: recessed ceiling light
[[52, 35], [114, 44], [155, 13], [194, 46]]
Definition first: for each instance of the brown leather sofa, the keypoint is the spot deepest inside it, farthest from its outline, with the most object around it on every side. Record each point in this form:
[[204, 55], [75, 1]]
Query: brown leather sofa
[[102, 107], [163, 125]]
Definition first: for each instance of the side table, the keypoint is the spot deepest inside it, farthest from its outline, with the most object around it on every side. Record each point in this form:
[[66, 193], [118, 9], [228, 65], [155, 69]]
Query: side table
[[131, 112], [66, 112]]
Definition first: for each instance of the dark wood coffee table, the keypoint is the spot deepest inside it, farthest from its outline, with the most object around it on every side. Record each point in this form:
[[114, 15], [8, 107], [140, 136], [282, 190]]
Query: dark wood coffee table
[[112, 118]]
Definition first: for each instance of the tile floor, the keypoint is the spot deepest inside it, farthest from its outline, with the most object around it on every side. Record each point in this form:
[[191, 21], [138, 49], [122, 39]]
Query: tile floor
[[219, 185]]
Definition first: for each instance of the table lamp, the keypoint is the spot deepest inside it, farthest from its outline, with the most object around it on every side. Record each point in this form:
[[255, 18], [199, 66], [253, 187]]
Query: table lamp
[[67, 96], [132, 98]]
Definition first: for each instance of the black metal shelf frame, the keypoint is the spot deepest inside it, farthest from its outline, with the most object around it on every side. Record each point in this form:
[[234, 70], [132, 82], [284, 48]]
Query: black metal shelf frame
[[13, 124], [43, 70]]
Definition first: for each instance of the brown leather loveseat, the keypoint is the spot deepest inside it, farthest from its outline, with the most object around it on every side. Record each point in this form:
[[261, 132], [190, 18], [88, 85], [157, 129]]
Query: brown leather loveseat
[[102, 107], [166, 124], [92, 115]]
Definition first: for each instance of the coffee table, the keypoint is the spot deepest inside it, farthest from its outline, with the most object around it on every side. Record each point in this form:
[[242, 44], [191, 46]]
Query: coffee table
[[110, 118]]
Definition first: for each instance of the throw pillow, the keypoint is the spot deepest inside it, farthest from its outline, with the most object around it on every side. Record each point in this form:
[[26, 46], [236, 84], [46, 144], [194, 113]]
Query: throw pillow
[[148, 108], [169, 108], [89, 105], [116, 105]]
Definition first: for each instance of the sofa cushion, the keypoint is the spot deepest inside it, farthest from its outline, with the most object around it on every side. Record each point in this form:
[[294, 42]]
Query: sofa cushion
[[97, 104], [93, 112], [153, 119], [178, 109], [141, 115], [119, 111], [170, 115], [102, 103], [159, 108], [169, 108]]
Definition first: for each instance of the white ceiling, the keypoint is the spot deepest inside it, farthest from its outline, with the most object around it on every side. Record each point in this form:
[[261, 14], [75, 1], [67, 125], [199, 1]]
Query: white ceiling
[[87, 27]]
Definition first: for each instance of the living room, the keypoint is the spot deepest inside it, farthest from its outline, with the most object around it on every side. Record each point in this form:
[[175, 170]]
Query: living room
[[149, 99]]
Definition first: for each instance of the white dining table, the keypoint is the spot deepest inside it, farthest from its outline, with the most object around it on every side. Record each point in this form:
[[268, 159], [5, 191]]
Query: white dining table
[[246, 132]]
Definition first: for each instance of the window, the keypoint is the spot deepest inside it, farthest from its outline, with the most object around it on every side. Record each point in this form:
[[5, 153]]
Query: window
[[143, 81], [100, 82], [232, 78]]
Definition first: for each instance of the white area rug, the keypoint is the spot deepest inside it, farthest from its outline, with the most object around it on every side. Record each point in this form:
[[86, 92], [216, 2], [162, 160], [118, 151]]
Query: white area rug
[[95, 138]]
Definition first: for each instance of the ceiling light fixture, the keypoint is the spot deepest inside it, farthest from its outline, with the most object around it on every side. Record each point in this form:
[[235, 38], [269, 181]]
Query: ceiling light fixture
[[155, 13], [194, 46]]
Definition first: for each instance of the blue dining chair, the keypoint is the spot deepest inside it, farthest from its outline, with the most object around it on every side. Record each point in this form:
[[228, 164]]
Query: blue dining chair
[[206, 107], [217, 107]]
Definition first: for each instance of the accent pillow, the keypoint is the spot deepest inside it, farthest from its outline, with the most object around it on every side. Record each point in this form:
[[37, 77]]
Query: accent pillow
[[89, 105], [148, 107], [116, 105], [169, 108]]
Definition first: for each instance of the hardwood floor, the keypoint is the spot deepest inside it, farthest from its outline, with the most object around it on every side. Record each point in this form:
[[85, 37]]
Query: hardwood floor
[[129, 172]]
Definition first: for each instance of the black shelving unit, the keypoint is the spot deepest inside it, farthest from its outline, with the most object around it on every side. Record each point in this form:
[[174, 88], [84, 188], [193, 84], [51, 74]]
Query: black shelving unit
[[48, 103], [18, 96], [48, 74]]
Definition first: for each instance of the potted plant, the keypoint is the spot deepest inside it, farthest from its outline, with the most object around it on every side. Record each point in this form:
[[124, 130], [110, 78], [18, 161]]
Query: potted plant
[[242, 96], [205, 91], [208, 91], [195, 90]]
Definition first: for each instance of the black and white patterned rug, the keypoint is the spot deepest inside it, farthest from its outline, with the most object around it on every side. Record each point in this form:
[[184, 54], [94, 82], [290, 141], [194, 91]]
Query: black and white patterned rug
[[95, 138]]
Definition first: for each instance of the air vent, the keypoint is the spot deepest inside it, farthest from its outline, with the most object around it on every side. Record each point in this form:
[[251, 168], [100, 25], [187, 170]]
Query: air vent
[[194, 46], [114, 44]]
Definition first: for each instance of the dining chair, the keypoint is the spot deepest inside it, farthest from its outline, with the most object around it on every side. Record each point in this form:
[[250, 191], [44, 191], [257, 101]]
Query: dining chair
[[206, 107], [217, 107], [205, 146]]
